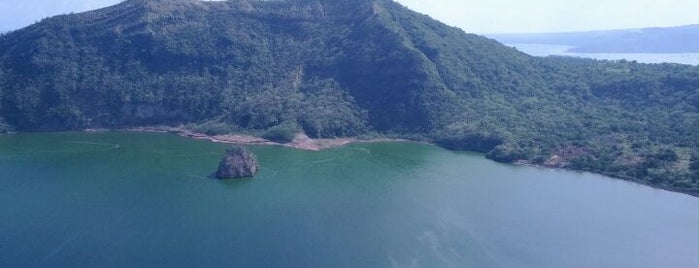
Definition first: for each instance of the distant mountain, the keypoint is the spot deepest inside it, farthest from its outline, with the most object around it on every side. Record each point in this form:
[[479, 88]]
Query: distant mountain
[[683, 39], [345, 68]]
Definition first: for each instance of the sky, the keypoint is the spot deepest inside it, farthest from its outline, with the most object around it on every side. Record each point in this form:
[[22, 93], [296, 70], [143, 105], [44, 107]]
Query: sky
[[477, 16]]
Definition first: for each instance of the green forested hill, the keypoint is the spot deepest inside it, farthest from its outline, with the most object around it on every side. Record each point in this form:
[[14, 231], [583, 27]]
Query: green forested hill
[[347, 68]]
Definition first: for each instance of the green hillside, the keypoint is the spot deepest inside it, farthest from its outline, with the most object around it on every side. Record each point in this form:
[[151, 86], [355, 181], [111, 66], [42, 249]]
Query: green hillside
[[349, 68]]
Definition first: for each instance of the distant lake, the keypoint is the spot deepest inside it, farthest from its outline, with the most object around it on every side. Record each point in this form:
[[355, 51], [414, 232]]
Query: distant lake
[[119, 199], [558, 50]]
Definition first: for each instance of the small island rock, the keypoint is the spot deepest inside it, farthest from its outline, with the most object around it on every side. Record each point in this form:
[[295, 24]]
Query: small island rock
[[238, 163]]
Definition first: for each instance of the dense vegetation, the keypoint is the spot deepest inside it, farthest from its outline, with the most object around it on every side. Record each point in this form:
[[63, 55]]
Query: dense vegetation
[[681, 39], [348, 68]]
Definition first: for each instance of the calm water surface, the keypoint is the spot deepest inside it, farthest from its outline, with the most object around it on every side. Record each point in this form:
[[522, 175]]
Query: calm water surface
[[118, 199], [542, 50]]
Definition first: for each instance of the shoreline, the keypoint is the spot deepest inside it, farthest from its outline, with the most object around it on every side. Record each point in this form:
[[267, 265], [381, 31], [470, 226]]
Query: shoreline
[[300, 142], [611, 176], [303, 142]]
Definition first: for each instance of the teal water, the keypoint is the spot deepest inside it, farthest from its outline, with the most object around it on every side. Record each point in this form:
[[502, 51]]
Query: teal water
[[118, 199]]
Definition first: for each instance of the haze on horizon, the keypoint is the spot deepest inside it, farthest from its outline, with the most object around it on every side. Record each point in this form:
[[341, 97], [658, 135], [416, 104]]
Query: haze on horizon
[[482, 17]]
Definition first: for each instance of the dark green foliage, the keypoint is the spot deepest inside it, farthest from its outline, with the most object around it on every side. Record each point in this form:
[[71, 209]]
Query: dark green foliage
[[694, 163], [348, 68], [4, 127], [477, 142], [212, 128], [666, 155], [507, 153], [282, 133]]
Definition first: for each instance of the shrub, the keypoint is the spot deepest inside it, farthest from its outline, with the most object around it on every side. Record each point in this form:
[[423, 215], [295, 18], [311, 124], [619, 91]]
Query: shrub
[[5, 127], [477, 142], [506, 153], [282, 133], [213, 128]]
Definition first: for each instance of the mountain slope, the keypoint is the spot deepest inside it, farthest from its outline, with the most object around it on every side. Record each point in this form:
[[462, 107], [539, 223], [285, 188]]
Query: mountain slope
[[347, 68], [681, 39]]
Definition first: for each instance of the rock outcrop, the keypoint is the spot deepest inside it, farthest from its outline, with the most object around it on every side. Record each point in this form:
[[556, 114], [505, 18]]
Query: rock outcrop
[[238, 163]]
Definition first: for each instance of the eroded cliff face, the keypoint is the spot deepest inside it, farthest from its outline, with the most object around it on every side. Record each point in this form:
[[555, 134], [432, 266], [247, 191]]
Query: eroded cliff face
[[238, 163]]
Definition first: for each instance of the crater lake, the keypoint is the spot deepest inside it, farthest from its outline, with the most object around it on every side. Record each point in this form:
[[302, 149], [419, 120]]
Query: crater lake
[[124, 199]]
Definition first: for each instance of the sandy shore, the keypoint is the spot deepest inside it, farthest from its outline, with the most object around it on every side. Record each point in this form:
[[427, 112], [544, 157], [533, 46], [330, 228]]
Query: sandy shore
[[301, 141]]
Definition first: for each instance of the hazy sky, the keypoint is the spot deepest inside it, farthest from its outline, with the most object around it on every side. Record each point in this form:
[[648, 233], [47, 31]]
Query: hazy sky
[[510, 16], [479, 16]]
